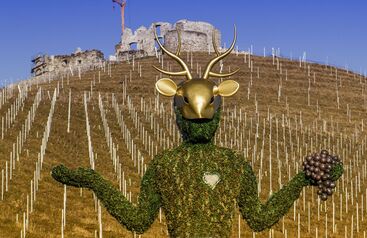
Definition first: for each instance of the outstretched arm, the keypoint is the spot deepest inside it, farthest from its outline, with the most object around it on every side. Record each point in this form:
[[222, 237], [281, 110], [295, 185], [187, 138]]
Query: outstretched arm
[[135, 218], [262, 216]]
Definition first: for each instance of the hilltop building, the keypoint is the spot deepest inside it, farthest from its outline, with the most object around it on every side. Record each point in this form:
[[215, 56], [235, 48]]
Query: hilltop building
[[61, 63], [195, 36]]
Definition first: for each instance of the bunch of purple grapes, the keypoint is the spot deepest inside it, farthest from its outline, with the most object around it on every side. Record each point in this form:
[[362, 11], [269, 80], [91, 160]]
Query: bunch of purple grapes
[[318, 167]]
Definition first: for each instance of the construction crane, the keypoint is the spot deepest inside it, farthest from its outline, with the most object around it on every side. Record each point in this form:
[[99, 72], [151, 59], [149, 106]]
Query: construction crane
[[122, 4]]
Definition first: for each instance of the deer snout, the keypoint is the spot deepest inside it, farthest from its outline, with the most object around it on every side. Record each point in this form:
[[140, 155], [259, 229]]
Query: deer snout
[[202, 106], [199, 107]]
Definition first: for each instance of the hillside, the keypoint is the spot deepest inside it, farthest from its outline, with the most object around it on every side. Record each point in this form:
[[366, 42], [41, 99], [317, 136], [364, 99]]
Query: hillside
[[299, 107]]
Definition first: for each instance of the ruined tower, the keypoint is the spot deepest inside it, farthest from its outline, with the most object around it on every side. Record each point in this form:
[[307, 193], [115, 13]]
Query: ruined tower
[[196, 36]]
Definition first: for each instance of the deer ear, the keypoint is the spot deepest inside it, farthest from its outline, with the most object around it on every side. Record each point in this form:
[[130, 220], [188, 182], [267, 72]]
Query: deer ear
[[228, 88], [166, 87]]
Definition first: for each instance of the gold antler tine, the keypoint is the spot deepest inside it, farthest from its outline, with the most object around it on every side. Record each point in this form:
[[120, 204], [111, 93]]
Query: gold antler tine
[[214, 43], [178, 43], [220, 75], [175, 57], [219, 57], [181, 73]]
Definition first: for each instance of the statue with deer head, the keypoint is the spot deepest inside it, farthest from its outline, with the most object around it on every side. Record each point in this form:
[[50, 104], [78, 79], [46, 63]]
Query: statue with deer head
[[197, 184]]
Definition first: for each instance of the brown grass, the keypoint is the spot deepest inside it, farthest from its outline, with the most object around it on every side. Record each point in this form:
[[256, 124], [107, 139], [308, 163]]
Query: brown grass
[[71, 148]]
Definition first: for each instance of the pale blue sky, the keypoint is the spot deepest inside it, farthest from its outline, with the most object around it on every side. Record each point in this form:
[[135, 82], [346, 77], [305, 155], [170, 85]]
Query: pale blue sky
[[324, 29]]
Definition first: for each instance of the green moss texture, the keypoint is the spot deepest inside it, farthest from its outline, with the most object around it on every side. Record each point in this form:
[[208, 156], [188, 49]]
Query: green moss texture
[[179, 181]]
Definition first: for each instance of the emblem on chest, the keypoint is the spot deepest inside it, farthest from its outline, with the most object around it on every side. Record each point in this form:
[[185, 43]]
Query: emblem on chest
[[211, 179]]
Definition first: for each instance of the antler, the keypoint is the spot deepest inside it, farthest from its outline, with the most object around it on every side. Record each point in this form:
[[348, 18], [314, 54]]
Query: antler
[[176, 57], [219, 57]]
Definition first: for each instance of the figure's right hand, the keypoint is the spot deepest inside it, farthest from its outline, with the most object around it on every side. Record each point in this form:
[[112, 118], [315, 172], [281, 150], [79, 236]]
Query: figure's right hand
[[80, 177]]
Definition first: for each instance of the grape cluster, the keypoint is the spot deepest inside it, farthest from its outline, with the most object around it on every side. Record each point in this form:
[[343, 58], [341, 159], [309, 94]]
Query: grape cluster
[[318, 167]]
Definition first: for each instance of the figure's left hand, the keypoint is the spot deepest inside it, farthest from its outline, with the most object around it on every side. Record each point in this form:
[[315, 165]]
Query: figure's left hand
[[336, 172], [323, 170]]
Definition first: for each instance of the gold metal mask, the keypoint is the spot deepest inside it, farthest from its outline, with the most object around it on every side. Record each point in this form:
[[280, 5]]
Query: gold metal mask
[[197, 98]]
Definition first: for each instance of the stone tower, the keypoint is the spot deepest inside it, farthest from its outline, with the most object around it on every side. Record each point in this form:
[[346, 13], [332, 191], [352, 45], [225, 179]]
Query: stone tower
[[195, 36]]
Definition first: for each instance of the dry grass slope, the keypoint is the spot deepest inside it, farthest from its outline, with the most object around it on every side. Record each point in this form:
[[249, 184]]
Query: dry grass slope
[[283, 111]]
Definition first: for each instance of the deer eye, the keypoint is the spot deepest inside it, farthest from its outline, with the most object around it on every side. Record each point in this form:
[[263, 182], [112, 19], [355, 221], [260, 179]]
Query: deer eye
[[186, 100], [212, 100]]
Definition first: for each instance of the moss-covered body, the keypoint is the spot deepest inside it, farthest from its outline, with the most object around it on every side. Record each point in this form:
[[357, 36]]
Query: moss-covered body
[[192, 206], [197, 184]]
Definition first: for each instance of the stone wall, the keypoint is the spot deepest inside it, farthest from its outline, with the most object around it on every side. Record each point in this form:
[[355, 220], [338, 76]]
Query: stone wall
[[61, 63], [195, 36]]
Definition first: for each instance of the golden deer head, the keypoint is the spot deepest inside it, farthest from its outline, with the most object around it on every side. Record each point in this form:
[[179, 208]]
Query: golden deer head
[[197, 98]]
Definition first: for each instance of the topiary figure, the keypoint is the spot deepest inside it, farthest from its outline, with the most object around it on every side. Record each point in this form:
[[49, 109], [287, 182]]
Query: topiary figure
[[198, 184]]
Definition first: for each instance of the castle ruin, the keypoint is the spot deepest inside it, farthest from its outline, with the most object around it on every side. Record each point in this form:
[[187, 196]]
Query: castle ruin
[[195, 36], [61, 63]]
